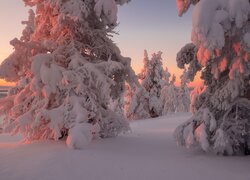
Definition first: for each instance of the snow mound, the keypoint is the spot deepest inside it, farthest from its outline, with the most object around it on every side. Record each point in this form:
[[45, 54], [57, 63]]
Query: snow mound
[[79, 136]]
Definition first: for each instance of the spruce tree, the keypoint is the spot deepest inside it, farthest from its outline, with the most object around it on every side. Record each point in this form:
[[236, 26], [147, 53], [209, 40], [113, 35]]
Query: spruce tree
[[220, 50], [66, 70], [145, 101], [169, 97], [184, 93]]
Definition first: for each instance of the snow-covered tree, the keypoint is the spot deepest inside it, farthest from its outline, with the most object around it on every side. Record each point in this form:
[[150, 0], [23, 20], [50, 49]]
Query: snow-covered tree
[[153, 83], [145, 101], [169, 97], [176, 98], [221, 46], [67, 69], [142, 75], [166, 77], [184, 94], [194, 96], [137, 103]]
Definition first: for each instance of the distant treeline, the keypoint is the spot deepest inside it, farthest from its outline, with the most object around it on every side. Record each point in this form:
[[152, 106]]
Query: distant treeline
[[3, 91]]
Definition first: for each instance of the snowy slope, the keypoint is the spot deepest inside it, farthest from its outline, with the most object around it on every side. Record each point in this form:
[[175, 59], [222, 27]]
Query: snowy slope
[[148, 153]]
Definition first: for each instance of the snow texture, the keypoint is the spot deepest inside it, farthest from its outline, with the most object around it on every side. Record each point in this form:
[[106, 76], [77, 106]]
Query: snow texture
[[149, 152]]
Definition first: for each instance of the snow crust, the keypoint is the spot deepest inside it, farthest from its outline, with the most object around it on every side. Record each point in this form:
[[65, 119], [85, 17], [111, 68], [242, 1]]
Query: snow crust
[[149, 152]]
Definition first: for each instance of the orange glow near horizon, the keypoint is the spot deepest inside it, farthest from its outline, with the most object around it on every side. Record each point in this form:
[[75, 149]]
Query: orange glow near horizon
[[195, 83], [5, 83], [136, 65], [3, 55], [173, 70]]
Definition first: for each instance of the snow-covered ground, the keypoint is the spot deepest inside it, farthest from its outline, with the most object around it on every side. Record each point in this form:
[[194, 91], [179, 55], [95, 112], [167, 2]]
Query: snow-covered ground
[[148, 153]]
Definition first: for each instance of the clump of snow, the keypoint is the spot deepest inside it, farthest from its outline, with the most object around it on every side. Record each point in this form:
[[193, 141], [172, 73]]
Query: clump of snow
[[246, 39], [221, 144], [106, 10], [79, 136], [183, 5], [211, 20], [201, 136]]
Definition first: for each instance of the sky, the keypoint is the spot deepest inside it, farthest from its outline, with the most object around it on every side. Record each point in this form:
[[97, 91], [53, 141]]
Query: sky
[[143, 24]]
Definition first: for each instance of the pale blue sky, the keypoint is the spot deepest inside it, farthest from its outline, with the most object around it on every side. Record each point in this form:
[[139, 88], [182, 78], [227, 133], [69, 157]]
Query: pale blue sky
[[144, 24], [155, 26]]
